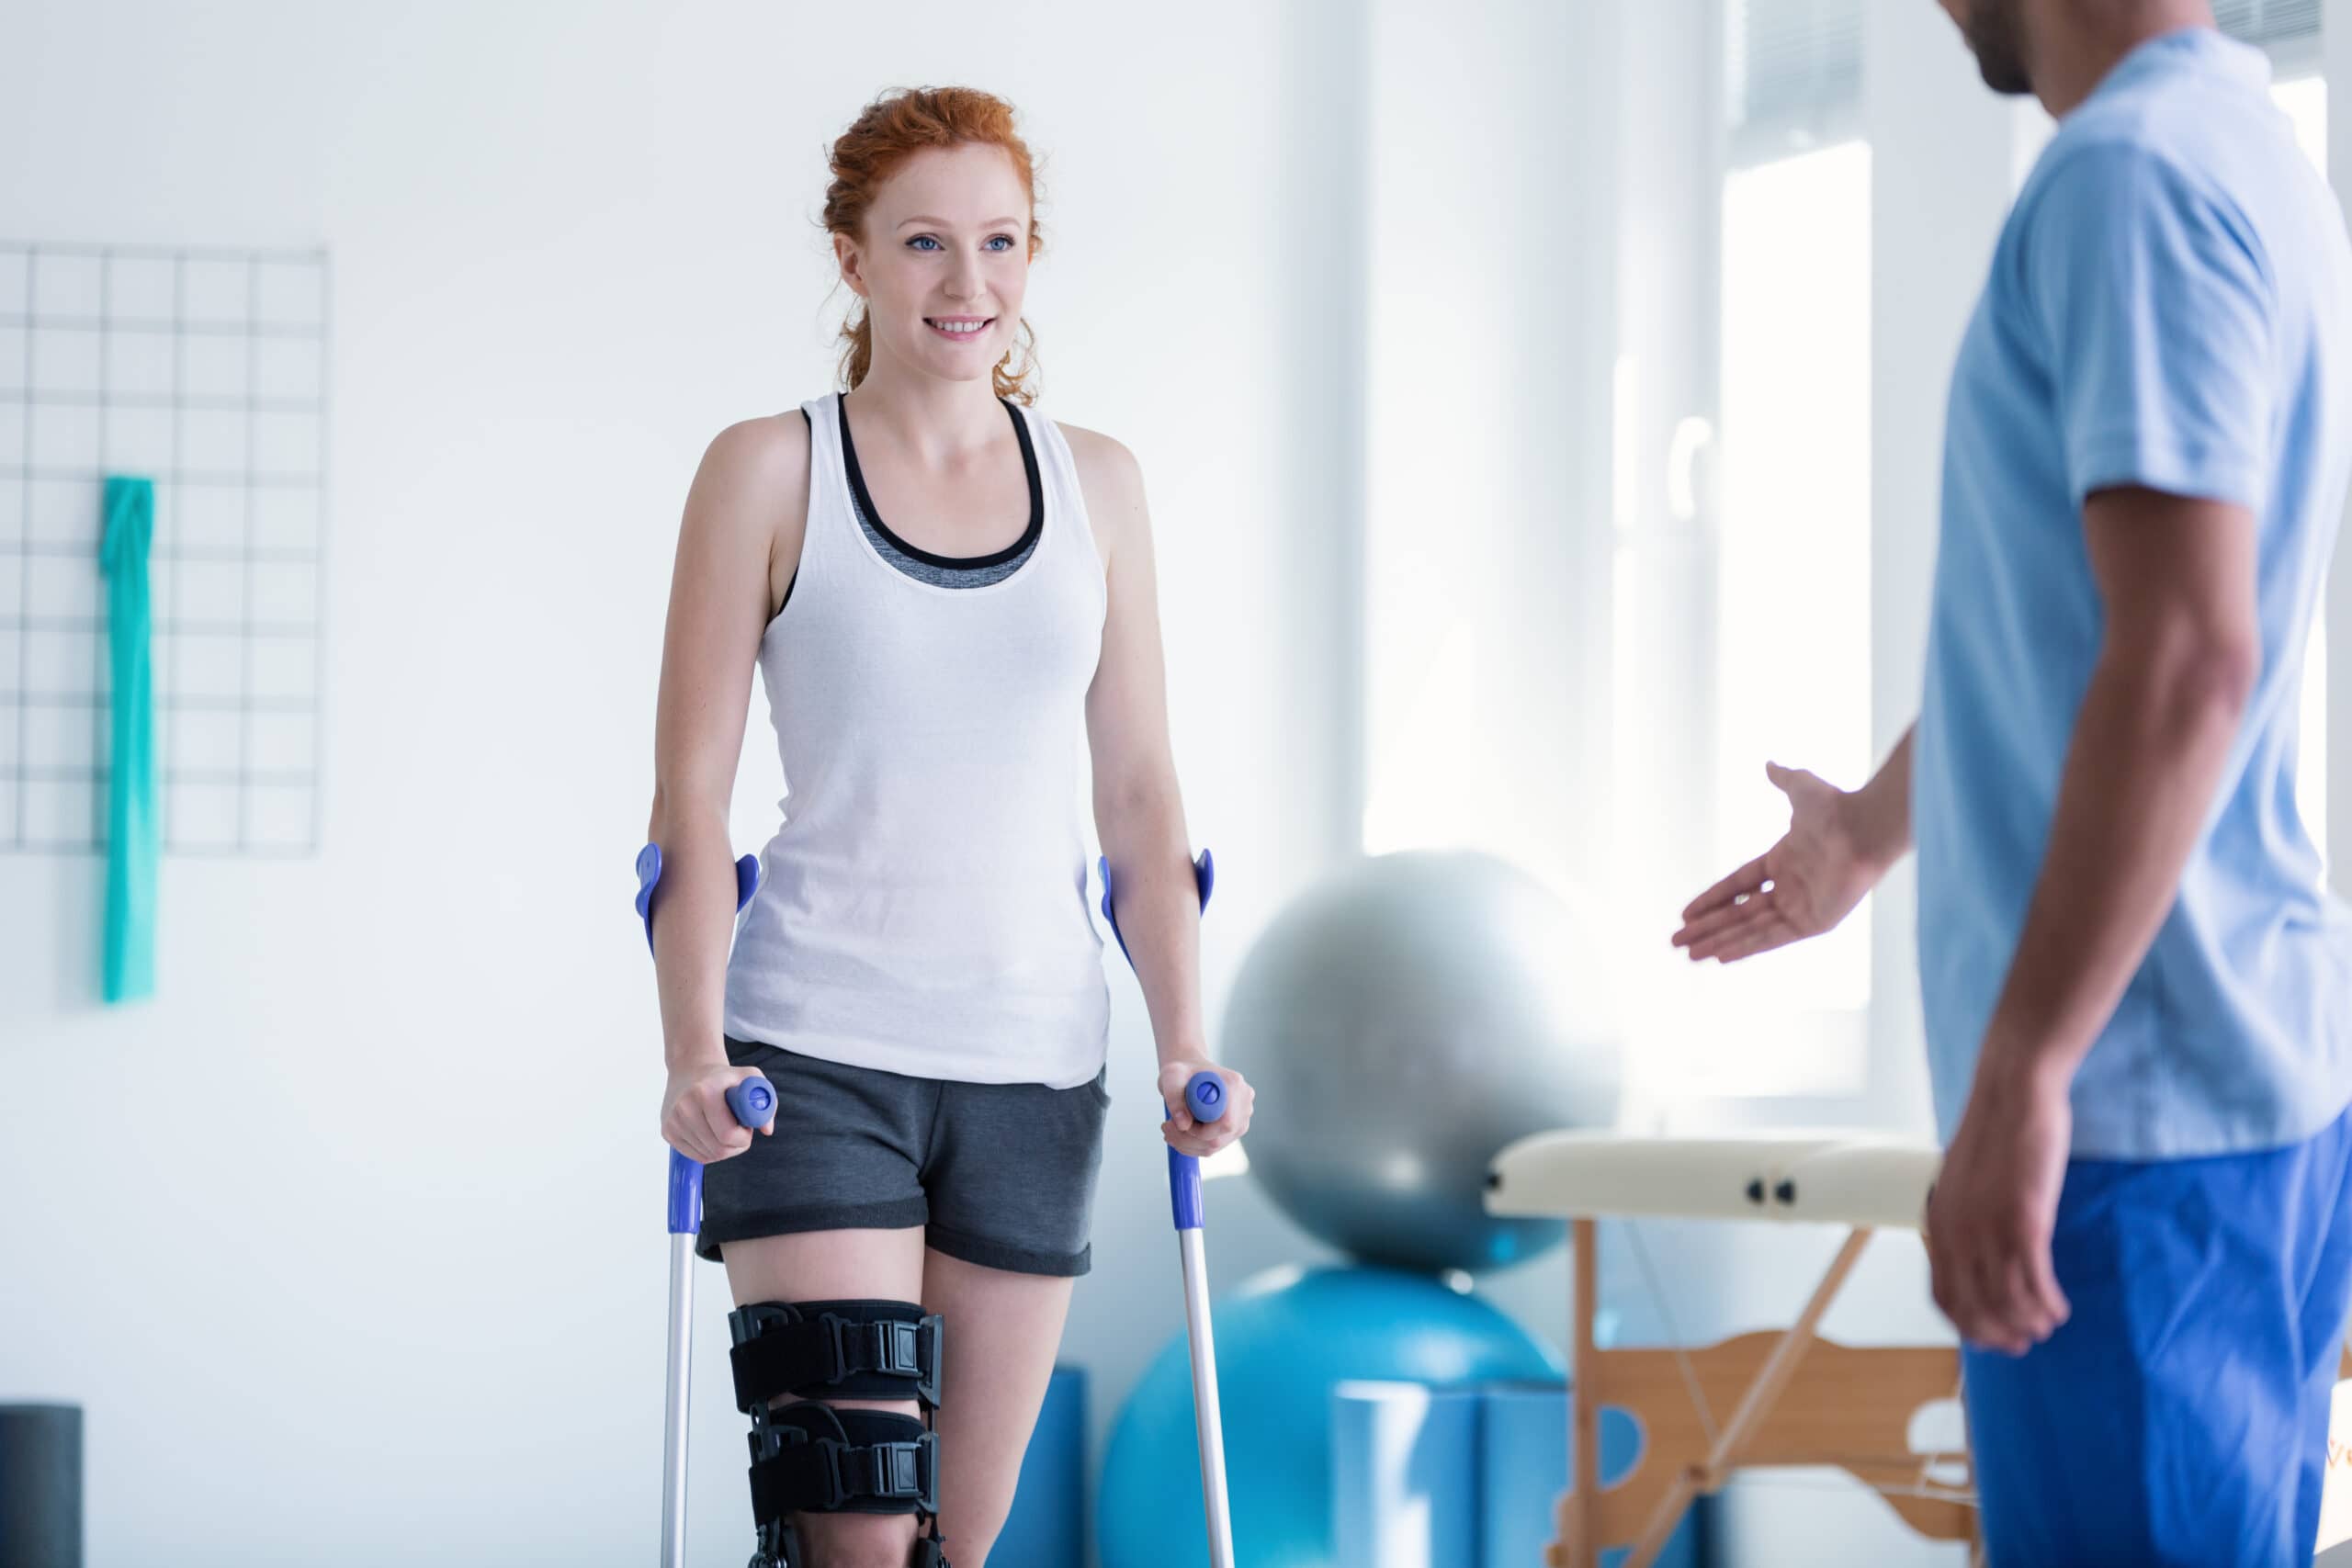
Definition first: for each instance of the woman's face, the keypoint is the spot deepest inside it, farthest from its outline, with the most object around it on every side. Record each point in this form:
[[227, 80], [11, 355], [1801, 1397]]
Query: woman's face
[[943, 261]]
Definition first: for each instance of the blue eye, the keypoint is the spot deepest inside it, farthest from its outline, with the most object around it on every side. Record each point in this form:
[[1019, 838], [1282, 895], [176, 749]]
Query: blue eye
[[922, 240], [1001, 242]]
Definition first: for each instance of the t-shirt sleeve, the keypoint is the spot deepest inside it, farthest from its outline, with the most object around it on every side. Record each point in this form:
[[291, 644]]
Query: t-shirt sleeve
[[2160, 318]]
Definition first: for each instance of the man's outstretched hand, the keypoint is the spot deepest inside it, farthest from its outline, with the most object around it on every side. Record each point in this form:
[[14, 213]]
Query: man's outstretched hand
[[1801, 886]]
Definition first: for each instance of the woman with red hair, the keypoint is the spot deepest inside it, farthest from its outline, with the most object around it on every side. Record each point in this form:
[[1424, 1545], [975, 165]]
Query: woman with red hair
[[945, 593]]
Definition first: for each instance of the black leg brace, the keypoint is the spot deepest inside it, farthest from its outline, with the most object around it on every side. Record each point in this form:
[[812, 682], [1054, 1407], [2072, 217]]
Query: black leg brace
[[808, 1457]]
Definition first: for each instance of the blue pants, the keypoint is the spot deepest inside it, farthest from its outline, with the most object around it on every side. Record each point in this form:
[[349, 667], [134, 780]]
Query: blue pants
[[2181, 1414]]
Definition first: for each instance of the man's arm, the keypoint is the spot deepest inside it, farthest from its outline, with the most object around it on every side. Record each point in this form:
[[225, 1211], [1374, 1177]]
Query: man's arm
[[2177, 662]]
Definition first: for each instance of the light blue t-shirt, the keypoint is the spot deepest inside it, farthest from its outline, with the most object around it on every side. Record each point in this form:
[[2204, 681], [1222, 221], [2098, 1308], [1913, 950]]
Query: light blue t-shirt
[[2170, 306]]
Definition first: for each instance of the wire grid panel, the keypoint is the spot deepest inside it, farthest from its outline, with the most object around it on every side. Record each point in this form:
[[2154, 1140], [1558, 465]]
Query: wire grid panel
[[205, 370]]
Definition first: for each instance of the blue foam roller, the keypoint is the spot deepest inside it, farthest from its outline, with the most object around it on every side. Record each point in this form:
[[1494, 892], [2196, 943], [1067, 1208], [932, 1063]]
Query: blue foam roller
[[1404, 1476], [40, 1485], [1523, 1436], [1047, 1526]]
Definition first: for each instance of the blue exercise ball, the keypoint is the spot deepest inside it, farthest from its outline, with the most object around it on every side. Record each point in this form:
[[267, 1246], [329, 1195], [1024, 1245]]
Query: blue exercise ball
[[1284, 1339]]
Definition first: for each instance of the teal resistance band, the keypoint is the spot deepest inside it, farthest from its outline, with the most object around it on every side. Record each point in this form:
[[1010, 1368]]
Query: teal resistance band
[[133, 842]]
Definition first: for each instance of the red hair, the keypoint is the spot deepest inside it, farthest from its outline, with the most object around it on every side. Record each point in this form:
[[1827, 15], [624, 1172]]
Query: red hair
[[890, 130]]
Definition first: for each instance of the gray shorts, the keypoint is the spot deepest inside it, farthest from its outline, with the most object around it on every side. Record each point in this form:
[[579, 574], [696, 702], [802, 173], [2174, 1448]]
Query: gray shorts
[[998, 1174]]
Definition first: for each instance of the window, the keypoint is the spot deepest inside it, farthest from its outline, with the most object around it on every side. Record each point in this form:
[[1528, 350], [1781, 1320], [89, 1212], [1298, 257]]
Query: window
[[1793, 671], [1795, 75], [1793, 564], [2288, 29]]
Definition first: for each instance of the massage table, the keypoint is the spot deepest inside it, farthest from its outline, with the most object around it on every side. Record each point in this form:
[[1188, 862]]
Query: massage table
[[1780, 1398]]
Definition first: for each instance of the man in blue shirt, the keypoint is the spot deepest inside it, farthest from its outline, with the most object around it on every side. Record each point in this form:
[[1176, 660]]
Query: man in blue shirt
[[2138, 995]]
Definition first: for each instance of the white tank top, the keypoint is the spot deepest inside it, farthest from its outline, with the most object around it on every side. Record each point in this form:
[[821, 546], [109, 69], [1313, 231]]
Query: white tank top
[[924, 906]]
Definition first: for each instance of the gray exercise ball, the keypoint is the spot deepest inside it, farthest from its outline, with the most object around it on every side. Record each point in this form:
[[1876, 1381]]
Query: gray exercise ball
[[1403, 1020]]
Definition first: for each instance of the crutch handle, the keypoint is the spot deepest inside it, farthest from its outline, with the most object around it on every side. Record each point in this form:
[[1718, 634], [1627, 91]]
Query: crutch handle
[[753, 1101], [1205, 1096]]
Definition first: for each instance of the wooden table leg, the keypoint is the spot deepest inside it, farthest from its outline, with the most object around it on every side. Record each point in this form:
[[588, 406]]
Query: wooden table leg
[[1584, 1406]]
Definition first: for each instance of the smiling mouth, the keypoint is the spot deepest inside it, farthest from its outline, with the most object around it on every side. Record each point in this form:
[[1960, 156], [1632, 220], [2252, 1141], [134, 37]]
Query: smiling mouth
[[959, 328]]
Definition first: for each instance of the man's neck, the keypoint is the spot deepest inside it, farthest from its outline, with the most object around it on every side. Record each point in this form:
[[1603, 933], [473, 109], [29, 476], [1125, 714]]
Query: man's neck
[[2072, 47]]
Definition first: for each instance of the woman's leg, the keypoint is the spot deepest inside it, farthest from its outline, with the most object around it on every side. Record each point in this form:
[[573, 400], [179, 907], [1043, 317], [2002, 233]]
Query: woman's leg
[[1003, 1331], [837, 1266]]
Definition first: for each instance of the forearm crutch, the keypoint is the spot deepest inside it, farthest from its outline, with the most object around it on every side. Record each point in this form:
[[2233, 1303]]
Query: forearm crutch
[[1205, 1097], [753, 1102]]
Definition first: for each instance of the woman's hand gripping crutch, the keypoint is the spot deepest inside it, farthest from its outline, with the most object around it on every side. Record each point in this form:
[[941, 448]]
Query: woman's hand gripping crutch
[[1205, 1097], [753, 1102]]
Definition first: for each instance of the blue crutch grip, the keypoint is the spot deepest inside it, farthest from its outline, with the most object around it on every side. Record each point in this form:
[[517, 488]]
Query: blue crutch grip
[[1204, 1095], [753, 1101]]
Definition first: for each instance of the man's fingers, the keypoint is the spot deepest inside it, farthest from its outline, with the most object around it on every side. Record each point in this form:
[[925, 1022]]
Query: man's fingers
[[1751, 917], [1792, 781], [1958, 1290], [1997, 1290], [2040, 1306], [1716, 922], [1747, 879], [1771, 934], [1996, 1320], [2045, 1281], [2023, 1311]]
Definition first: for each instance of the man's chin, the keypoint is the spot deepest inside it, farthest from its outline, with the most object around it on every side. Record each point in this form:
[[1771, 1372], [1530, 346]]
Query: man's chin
[[2006, 81]]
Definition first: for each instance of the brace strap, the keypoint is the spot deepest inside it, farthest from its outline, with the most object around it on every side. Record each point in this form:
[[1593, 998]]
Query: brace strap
[[809, 1458], [846, 1349]]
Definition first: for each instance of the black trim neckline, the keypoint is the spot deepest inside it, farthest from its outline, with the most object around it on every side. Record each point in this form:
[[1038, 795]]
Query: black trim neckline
[[1012, 551]]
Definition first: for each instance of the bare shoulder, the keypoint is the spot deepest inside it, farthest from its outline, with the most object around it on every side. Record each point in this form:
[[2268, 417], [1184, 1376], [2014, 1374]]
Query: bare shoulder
[[750, 499], [1112, 480], [1092, 450], [764, 460]]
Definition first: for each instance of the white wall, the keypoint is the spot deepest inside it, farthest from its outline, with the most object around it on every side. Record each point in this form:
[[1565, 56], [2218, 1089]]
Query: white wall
[[371, 1271], [1491, 279]]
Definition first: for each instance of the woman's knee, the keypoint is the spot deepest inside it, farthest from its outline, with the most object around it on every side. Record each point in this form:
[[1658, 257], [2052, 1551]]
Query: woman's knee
[[856, 1540], [969, 1549]]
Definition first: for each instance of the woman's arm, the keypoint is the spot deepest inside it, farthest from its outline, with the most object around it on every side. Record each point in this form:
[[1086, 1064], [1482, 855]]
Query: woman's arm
[[1138, 810], [745, 512]]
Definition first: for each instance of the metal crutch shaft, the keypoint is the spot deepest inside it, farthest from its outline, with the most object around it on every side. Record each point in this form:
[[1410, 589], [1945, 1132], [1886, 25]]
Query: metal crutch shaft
[[753, 1102]]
